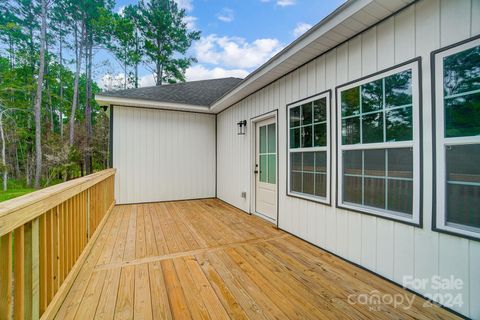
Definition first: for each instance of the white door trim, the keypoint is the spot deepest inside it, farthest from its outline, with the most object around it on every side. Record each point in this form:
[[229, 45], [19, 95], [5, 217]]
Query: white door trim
[[253, 136]]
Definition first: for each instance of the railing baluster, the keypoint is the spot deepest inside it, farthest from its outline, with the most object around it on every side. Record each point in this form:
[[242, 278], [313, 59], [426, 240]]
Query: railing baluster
[[88, 214], [43, 263], [55, 250], [19, 272], [35, 269]]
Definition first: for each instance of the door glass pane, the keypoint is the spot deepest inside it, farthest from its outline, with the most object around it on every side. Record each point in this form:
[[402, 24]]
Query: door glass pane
[[462, 116], [295, 138], [372, 96], [308, 161], [294, 117], [350, 102], [400, 163], [374, 192], [463, 184], [400, 196], [398, 89], [272, 143], [263, 168], [320, 135], [307, 115], [372, 126], [306, 136], [351, 130], [399, 124], [321, 185], [320, 110], [272, 168], [263, 139]]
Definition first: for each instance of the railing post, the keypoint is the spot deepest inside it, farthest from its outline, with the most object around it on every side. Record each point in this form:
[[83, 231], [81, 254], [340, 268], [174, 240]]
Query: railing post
[[88, 214]]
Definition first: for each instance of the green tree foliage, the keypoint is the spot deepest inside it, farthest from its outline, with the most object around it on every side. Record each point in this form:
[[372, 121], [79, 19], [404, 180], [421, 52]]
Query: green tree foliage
[[166, 39], [74, 129]]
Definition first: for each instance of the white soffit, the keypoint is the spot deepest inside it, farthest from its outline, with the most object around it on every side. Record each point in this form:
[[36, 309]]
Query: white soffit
[[348, 20]]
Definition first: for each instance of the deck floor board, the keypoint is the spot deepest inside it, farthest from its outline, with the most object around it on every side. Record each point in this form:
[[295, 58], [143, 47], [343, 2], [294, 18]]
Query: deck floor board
[[204, 259]]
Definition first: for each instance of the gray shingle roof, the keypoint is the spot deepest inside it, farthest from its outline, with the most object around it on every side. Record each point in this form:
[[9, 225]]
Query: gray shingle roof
[[199, 93]]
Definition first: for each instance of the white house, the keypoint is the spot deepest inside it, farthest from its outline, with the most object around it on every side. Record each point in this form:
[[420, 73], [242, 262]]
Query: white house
[[361, 137]]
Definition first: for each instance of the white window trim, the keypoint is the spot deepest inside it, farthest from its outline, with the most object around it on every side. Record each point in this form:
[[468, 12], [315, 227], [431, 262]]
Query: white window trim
[[326, 199], [415, 218], [441, 142]]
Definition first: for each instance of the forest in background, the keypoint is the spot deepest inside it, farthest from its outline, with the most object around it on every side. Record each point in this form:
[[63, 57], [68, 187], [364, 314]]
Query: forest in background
[[51, 128]]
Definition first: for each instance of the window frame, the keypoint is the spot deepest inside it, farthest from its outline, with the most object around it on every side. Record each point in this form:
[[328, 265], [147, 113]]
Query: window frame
[[323, 200], [439, 215], [415, 219]]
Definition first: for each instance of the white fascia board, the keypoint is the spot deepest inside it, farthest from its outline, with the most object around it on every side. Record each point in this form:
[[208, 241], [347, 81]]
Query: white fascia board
[[116, 101], [330, 22]]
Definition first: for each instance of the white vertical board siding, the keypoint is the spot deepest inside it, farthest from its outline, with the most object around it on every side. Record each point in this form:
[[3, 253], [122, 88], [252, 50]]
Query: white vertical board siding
[[163, 155], [389, 248]]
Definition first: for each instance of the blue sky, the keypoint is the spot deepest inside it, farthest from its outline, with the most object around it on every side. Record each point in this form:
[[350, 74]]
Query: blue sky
[[237, 35]]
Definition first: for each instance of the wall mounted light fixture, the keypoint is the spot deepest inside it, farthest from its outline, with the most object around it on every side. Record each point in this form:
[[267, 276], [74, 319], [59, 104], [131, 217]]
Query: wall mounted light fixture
[[242, 127]]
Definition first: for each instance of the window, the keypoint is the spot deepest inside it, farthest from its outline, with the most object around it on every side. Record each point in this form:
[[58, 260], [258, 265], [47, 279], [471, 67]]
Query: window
[[308, 148], [268, 154], [457, 139], [378, 144]]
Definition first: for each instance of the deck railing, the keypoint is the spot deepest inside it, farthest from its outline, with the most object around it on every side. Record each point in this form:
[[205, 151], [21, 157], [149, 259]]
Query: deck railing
[[44, 238]]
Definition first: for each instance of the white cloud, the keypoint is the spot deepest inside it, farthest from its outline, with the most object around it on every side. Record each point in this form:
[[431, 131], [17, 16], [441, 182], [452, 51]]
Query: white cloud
[[301, 28], [112, 81], [191, 22], [200, 72], [195, 72], [226, 15], [185, 4], [235, 52], [146, 81], [285, 3]]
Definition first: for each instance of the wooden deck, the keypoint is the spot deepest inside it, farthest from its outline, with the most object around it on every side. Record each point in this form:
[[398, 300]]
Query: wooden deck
[[206, 259]]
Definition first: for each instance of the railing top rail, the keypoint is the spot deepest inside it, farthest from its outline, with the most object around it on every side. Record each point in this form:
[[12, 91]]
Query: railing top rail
[[18, 211]]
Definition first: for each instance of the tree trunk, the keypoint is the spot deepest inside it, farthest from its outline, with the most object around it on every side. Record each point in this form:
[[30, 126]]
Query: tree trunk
[[17, 163], [27, 170], [136, 63], [38, 99], [60, 107], [88, 111], [78, 54], [4, 162], [159, 73]]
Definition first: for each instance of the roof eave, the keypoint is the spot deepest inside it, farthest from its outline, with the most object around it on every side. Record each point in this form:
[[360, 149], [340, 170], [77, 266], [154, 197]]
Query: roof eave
[[140, 103]]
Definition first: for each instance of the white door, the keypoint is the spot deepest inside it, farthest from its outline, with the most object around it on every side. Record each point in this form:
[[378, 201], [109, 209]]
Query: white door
[[266, 169]]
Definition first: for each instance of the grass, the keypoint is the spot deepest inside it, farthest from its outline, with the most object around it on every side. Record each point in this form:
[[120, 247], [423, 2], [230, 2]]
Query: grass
[[13, 193], [15, 188]]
